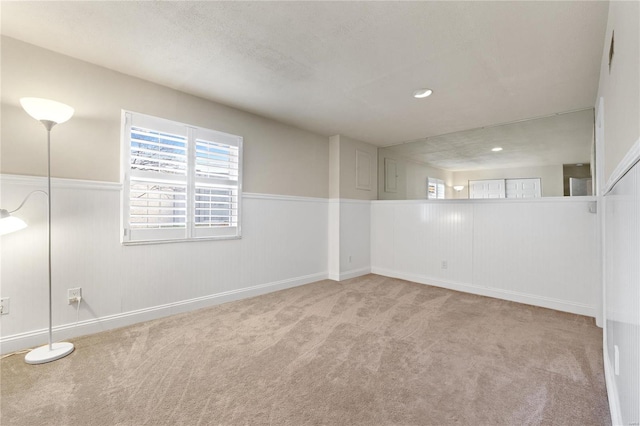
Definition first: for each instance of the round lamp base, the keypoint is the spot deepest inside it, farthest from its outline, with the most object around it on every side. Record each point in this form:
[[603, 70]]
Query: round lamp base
[[45, 354]]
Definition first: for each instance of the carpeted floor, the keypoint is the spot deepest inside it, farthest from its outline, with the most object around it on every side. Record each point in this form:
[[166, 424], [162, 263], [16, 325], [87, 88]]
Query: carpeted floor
[[367, 351]]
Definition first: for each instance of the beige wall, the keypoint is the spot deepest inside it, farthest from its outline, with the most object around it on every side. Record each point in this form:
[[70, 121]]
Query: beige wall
[[348, 187], [278, 158], [551, 177], [334, 166], [620, 87], [342, 168], [417, 175], [412, 178]]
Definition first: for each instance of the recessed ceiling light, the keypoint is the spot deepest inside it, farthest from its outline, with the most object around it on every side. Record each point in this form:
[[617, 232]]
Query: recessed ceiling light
[[422, 93], [496, 149]]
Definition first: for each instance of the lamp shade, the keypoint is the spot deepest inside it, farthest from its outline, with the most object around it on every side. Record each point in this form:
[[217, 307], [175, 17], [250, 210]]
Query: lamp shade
[[458, 187], [47, 110], [10, 223]]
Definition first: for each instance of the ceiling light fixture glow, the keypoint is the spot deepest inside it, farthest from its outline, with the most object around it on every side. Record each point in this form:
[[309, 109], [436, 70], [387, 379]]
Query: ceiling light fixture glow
[[496, 149], [422, 93]]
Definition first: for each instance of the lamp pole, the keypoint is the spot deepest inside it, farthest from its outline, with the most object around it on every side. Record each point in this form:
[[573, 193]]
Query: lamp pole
[[49, 125], [49, 113]]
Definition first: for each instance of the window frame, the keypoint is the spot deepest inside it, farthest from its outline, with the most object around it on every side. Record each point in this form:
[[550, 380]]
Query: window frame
[[439, 188], [190, 231]]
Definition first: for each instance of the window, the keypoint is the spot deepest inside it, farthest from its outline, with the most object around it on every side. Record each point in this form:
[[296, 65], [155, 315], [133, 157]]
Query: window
[[181, 182], [435, 188]]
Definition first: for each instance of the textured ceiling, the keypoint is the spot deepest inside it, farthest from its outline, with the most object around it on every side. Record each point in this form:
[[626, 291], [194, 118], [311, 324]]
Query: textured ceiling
[[558, 139], [343, 67]]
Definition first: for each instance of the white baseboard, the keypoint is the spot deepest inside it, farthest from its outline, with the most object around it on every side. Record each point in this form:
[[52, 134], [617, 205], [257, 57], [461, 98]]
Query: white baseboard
[[34, 338], [612, 390], [528, 299], [353, 273]]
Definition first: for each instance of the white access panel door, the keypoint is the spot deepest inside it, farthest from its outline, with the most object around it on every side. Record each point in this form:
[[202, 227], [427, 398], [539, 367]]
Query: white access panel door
[[493, 188], [390, 175], [524, 188]]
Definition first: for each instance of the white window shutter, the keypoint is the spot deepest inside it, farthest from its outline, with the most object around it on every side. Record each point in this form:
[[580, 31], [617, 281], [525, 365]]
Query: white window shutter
[[182, 182]]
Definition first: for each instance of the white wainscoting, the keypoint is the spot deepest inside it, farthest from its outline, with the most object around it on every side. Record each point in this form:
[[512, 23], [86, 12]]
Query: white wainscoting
[[284, 244], [355, 234], [541, 252], [349, 238], [334, 239], [622, 296]]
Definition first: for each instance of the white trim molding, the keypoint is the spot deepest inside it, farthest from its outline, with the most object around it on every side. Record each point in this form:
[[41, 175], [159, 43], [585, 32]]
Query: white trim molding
[[628, 161], [513, 296], [116, 186], [60, 182], [348, 201], [491, 200], [33, 338], [257, 196], [612, 389], [350, 274]]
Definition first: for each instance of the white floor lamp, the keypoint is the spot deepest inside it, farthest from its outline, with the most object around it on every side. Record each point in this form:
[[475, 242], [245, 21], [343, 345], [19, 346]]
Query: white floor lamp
[[49, 113]]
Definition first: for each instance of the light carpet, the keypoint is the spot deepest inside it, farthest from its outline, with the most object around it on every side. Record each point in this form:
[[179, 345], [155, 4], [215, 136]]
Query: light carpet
[[368, 351]]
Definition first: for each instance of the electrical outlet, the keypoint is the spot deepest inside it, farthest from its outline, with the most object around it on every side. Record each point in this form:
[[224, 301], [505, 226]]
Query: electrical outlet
[[74, 295], [445, 265], [4, 306], [349, 259]]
